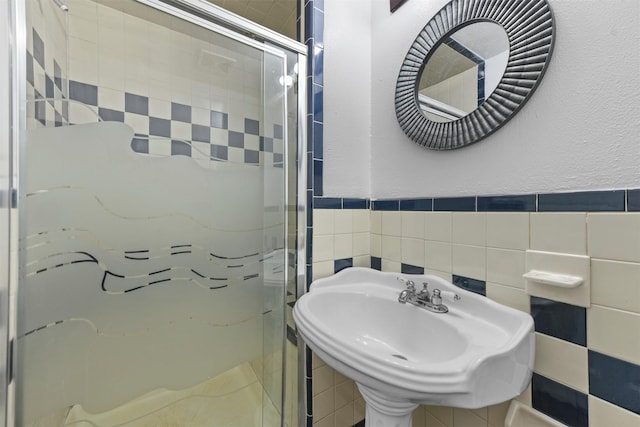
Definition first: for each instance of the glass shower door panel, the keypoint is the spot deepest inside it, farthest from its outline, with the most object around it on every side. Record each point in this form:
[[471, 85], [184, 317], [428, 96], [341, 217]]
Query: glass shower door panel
[[153, 239]]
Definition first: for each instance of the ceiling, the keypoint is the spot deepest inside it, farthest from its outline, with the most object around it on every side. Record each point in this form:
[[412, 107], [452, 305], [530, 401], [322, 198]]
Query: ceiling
[[277, 15]]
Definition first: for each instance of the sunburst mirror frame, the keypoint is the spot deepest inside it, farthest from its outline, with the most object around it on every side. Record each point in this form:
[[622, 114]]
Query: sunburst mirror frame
[[530, 29]]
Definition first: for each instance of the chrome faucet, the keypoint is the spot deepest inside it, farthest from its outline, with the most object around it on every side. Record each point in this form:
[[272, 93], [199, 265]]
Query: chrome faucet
[[431, 301]]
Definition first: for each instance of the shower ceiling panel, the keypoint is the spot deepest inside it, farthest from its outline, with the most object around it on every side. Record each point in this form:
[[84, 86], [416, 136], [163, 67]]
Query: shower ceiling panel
[[277, 15]]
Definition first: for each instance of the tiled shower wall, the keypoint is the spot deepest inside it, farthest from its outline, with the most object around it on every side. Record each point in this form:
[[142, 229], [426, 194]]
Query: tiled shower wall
[[587, 360]]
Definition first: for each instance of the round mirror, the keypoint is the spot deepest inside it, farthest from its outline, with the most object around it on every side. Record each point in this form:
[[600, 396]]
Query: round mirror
[[471, 68], [463, 71]]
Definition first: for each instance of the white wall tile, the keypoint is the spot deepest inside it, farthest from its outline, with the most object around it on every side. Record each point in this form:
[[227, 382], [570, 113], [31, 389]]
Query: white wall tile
[[469, 261], [437, 255], [342, 246], [392, 248], [413, 224], [614, 236], [614, 332], [391, 223], [616, 284], [361, 221], [343, 221], [323, 222], [562, 361], [376, 222], [392, 266], [322, 248], [511, 297], [362, 261], [413, 251], [506, 267], [361, 244], [437, 226], [603, 413], [443, 274], [559, 232], [508, 230], [469, 228], [376, 245], [110, 98]]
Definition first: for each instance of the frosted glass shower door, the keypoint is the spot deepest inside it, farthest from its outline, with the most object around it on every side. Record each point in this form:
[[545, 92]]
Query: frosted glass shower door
[[153, 226]]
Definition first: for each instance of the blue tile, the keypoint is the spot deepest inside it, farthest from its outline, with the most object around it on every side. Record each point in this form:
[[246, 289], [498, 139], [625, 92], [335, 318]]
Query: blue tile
[[319, 4], [251, 156], [318, 65], [386, 205], [87, 94], [615, 381], [416, 204], [327, 203], [310, 207], [200, 133], [180, 112], [252, 127], [159, 127], [219, 152], [308, 21], [111, 115], [376, 263], [309, 245], [136, 104], [236, 139], [525, 203], [318, 140], [266, 144], [30, 74], [140, 145], [458, 204], [317, 178], [586, 201], [355, 204], [180, 148], [278, 160], [564, 321], [633, 200], [318, 108], [473, 285], [309, 274], [411, 269], [318, 27], [38, 49], [559, 401], [219, 120], [310, 171], [341, 264], [57, 74], [278, 132], [48, 87], [40, 112]]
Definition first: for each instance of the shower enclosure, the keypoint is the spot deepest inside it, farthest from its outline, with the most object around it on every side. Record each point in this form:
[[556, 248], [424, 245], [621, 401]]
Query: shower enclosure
[[151, 209]]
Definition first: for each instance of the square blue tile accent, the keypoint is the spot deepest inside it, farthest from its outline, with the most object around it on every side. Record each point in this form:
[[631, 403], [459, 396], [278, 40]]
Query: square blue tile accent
[[278, 132], [318, 108], [309, 245], [586, 201], [308, 21], [385, 205], [311, 205], [200, 133], [109, 115], [236, 139], [180, 112], [87, 94], [251, 156], [266, 144], [48, 87], [615, 380], [30, 78], [252, 127], [633, 200], [458, 204], [159, 127], [564, 321], [341, 264], [317, 178], [318, 140], [57, 74], [560, 402], [411, 269], [525, 203], [376, 263], [310, 170], [38, 48], [318, 27], [40, 108], [278, 160], [219, 152], [219, 120], [319, 4], [140, 145], [180, 148], [416, 204], [355, 204], [136, 104], [327, 203], [318, 65], [473, 285]]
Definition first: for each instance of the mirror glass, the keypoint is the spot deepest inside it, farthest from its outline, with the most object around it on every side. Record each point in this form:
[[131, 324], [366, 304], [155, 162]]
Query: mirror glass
[[463, 71]]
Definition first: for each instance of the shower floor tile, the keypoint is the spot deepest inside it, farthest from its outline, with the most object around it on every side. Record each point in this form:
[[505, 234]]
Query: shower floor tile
[[232, 399]]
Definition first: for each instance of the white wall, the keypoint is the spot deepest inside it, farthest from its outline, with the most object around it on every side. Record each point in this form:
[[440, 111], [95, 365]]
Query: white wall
[[347, 97], [579, 131]]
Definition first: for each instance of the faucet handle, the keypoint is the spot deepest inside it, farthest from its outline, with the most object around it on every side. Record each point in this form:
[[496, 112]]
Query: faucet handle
[[436, 299], [410, 283]]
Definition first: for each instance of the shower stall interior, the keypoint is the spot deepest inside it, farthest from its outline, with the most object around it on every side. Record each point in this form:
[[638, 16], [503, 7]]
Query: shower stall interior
[[151, 206]]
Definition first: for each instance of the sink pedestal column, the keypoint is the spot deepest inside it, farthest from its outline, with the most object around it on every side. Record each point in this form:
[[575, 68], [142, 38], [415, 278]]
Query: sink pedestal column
[[384, 411]]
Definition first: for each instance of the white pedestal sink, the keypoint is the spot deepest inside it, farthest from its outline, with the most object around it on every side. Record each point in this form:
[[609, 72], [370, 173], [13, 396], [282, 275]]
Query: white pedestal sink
[[479, 353]]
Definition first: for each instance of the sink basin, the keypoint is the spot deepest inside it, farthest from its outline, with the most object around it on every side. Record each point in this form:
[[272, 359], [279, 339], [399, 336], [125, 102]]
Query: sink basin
[[479, 353]]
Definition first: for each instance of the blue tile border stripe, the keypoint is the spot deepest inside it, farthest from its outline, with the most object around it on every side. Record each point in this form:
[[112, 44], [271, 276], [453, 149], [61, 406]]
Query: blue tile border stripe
[[564, 321], [614, 380], [586, 201], [560, 402], [472, 285]]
